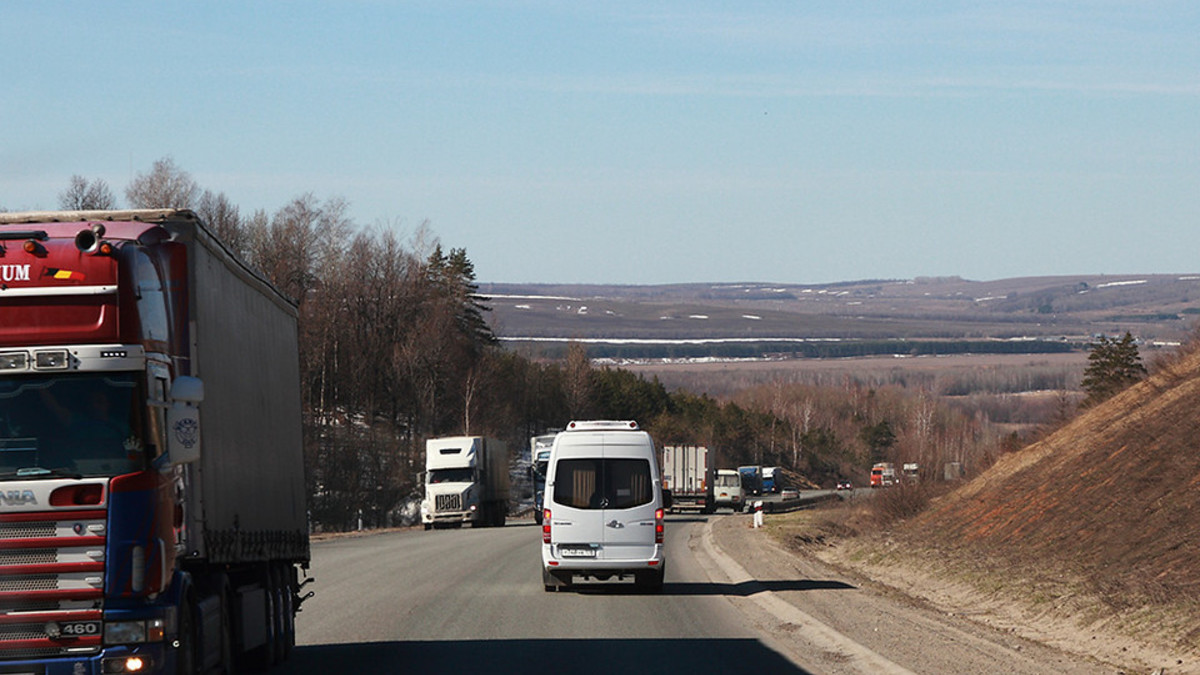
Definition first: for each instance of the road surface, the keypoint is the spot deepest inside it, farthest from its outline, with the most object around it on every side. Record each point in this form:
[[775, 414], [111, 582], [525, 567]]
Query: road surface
[[471, 600]]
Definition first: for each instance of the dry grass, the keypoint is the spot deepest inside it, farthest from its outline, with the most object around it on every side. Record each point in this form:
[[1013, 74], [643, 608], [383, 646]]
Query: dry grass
[[1093, 530]]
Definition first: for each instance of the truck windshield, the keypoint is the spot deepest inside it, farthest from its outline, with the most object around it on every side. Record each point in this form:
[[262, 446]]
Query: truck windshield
[[80, 424], [450, 476], [725, 480], [540, 466]]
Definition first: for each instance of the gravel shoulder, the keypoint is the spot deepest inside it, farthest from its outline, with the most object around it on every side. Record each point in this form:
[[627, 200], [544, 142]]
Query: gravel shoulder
[[861, 619]]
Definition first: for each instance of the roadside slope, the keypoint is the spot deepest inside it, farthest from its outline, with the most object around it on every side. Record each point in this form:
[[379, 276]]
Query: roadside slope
[[1094, 531]]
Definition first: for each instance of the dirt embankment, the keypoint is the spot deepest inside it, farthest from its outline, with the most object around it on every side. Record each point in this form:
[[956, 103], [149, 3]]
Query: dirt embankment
[[1088, 540]]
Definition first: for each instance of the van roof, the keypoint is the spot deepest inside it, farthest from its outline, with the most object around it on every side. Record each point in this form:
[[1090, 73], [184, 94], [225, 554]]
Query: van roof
[[603, 425]]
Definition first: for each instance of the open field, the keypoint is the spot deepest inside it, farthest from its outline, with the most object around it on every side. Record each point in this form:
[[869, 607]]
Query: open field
[[953, 375], [1036, 311]]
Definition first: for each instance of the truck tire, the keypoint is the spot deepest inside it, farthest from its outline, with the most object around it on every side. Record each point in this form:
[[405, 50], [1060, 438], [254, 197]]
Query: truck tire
[[288, 575], [261, 658], [279, 629], [186, 661]]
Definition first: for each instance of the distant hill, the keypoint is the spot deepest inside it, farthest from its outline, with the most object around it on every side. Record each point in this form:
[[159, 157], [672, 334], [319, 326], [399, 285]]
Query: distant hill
[[1097, 523], [763, 318]]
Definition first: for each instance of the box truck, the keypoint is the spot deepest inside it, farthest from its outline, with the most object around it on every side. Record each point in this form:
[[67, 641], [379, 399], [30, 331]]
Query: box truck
[[688, 474]]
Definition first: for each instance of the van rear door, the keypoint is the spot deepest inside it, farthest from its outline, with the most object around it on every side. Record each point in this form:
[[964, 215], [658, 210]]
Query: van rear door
[[629, 506]]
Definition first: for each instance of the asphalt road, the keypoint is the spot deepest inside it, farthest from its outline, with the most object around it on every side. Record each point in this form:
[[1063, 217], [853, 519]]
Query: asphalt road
[[471, 600]]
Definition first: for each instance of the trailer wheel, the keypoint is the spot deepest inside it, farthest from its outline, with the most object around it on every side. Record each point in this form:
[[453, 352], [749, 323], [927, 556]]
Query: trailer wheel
[[289, 609], [263, 657]]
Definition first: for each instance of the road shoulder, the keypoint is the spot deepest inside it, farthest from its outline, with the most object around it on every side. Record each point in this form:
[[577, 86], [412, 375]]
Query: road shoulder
[[855, 625]]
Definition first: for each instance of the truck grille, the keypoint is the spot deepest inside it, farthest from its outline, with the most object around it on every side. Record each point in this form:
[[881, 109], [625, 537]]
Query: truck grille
[[449, 503], [51, 572]]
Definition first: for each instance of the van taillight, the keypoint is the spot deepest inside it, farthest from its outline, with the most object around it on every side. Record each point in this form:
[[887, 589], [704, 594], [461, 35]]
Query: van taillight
[[546, 526], [658, 526]]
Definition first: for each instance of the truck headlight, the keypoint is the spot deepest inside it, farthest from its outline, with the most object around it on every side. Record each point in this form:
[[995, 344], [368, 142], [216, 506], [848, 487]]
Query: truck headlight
[[133, 632]]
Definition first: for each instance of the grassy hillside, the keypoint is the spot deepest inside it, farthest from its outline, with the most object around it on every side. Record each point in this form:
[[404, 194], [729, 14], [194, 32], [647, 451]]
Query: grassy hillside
[[1097, 524]]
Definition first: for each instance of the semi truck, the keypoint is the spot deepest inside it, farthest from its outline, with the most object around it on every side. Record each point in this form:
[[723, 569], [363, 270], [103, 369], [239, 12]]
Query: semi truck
[[752, 479], [772, 479], [152, 493], [466, 481], [539, 461], [883, 474], [728, 490], [688, 474]]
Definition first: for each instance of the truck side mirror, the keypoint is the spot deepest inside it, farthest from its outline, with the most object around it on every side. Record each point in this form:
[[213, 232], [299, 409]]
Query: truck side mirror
[[187, 389], [183, 420], [667, 499]]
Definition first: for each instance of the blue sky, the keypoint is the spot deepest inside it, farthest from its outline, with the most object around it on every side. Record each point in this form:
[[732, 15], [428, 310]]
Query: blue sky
[[646, 142]]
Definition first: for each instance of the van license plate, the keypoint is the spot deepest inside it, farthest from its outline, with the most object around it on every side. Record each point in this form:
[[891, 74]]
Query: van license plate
[[577, 551]]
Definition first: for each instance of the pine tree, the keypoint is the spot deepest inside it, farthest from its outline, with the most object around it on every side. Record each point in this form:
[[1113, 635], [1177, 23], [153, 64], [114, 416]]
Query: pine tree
[[1113, 365]]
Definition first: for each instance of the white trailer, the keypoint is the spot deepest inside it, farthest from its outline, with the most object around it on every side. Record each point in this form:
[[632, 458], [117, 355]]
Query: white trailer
[[688, 473]]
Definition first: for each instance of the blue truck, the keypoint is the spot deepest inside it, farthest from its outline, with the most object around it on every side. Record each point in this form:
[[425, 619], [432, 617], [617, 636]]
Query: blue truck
[[752, 479]]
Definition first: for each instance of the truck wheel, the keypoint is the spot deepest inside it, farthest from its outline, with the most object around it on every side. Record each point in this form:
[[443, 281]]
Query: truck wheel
[[278, 619], [185, 654], [263, 657], [289, 610]]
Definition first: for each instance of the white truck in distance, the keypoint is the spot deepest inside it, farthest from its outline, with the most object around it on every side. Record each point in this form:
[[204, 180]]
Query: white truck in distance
[[466, 481], [728, 491]]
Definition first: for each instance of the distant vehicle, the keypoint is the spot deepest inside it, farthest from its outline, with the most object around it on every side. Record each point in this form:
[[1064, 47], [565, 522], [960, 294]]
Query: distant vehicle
[[845, 485], [689, 474], [605, 507], [911, 472], [752, 482], [728, 490], [772, 479], [539, 456], [883, 474], [787, 494], [466, 481]]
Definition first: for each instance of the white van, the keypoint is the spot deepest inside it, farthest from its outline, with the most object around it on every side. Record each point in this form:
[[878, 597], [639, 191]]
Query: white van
[[603, 509]]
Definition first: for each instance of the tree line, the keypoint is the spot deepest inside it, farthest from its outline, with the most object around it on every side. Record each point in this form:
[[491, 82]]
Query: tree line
[[395, 348]]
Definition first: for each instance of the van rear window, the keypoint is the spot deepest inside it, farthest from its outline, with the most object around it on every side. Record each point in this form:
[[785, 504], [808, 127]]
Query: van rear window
[[603, 483]]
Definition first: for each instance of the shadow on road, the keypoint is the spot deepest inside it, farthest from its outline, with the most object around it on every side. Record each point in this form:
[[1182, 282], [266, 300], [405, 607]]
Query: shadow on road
[[744, 589], [501, 657]]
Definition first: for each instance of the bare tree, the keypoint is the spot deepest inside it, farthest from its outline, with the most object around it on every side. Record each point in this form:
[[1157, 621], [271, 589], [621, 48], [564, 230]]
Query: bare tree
[[85, 195], [222, 216], [166, 186]]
